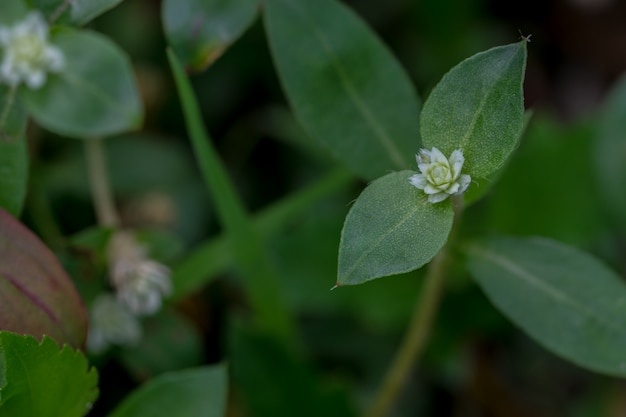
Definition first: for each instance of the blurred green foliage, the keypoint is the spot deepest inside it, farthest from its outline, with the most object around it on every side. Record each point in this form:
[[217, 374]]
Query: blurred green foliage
[[477, 363]]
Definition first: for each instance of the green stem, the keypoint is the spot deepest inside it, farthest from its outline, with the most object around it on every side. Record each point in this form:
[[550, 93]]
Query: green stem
[[59, 11], [418, 333], [254, 267], [213, 257], [99, 181], [415, 340], [6, 109]]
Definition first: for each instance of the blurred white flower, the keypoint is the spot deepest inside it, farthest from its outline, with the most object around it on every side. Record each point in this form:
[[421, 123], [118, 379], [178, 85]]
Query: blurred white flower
[[140, 283], [440, 177], [111, 324], [27, 55]]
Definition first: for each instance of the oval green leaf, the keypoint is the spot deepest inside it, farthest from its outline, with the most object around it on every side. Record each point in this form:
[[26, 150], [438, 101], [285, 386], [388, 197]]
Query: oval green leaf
[[12, 11], [13, 175], [43, 380], [197, 392], [75, 12], [199, 31], [345, 87], [94, 96], [36, 295], [610, 152], [478, 107], [391, 229], [562, 297]]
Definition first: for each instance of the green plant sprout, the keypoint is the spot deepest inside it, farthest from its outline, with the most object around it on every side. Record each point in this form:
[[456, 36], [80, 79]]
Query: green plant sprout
[[111, 292]]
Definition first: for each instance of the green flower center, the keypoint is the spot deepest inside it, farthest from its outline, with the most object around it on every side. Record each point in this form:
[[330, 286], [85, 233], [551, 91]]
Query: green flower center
[[28, 50], [439, 175]]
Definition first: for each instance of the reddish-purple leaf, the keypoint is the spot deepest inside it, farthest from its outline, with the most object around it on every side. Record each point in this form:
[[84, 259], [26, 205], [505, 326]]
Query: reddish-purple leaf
[[37, 297]]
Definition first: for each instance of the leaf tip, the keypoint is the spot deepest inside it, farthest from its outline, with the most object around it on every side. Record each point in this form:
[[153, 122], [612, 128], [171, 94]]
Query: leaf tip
[[524, 39]]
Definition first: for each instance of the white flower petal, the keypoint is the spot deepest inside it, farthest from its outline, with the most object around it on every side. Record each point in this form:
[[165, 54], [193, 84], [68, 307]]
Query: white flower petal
[[110, 323], [418, 180], [423, 158], [456, 162], [27, 54], [35, 79], [440, 177], [437, 157], [464, 182], [453, 188], [429, 189], [55, 59], [436, 198]]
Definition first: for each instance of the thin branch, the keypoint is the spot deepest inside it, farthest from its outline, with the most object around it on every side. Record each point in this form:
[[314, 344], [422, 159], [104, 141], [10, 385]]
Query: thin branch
[[100, 188], [60, 10], [417, 335]]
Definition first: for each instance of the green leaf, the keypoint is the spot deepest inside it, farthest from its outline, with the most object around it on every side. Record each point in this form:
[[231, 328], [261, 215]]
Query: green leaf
[[13, 175], [43, 380], [564, 298], [36, 295], [610, 152], [344, 85], [12, 11], [484, 185], [201, 30], [94, 96], [391, 229], [478, 107], [76, 12], [198, 392]]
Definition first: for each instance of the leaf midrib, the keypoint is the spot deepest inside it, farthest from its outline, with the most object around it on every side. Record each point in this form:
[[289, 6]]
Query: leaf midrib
[[537, 282], [378, 241], [384, 139]]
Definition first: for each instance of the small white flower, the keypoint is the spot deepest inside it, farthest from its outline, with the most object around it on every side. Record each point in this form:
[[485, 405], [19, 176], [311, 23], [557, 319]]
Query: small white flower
[[440, 177], [140, 282], [27, 55], [111, 324]]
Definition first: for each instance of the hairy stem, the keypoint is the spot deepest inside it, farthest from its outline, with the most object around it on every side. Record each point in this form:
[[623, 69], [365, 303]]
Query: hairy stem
[[60, 10], [415, 339], [99, 181], [417, 335]]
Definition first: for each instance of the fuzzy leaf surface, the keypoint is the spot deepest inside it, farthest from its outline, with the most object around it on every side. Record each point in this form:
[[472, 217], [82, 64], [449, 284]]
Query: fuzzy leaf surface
[[391, 229], [94, 96], [344, 85], [478, 107], [564, 298]]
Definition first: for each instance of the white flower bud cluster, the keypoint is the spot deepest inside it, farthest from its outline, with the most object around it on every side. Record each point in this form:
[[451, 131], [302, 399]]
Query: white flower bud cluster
[[111, 324], [440, 177], [27, 54], [140, 284]]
